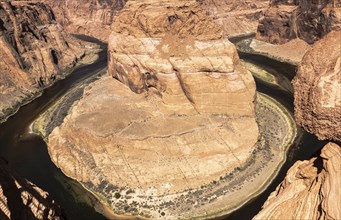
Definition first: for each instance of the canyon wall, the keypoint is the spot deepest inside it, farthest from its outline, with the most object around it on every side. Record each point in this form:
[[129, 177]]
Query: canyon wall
[[178, 116], [21, 199], [317, 88], [95, 17], [308, 20], [34, 50], [236, 17], [89, 17], [310, 190]]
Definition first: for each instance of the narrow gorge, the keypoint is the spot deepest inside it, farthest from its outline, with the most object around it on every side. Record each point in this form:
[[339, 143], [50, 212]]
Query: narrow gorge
[[158, 109]]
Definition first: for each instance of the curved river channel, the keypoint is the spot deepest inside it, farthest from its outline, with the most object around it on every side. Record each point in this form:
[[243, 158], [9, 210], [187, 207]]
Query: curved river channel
[[27, 153]]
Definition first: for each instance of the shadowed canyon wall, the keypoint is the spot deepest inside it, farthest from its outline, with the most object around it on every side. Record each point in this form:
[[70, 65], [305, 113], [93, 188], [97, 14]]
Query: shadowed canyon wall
[[21, 199], [34, 50], [309, 20]]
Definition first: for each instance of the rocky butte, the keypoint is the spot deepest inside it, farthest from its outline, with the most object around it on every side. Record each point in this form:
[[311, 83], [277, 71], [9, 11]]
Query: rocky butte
[[175, 114], [34, 51]]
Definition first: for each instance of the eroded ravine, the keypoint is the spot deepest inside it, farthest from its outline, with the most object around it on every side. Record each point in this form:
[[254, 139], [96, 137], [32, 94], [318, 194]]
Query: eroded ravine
[[41, 170]]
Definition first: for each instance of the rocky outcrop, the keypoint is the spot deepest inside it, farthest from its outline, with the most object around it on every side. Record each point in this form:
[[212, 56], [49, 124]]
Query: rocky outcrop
[[180, 118], [311, 189], [21, 199], [317, 88], [90, 17], [34, 50], [308, 20], [236, 17]]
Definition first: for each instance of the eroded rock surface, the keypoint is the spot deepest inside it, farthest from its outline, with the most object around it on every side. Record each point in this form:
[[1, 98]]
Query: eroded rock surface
[[317, 88], [311, 189], [90, 17], [309, 20], [21, 199], [34, 50], [180, 117], [236, 17]]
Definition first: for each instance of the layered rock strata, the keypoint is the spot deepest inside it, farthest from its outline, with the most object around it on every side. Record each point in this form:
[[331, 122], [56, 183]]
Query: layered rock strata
[[317, 88], [21, 199], [181, 117], [34, 50], [308, 20], [90, 17], [236, 17], [310, 190]]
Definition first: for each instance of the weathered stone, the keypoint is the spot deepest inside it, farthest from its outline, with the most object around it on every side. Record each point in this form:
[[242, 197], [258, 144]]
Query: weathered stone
[[182, 117], [34, 50], [311, 189], [317, 88], [308, 20], [90, 17]]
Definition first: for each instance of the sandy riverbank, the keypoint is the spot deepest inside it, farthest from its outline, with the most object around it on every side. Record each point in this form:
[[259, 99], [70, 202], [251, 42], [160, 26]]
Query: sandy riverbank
[[291, 52]]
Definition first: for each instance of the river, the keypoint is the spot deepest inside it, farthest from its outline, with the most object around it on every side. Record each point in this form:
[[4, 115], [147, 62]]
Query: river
[[27, 153]]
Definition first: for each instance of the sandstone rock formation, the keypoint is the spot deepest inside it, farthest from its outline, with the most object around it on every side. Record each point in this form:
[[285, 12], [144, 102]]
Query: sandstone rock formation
[[308, 20], [90, 17], [34, 50], [236, 17], [21, 199], [182, 118], [311, 189], [317, 88]]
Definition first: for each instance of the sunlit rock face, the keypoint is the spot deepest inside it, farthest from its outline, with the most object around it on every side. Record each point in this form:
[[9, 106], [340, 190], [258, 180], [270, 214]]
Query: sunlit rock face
[[90, 17], [311, 189], [175, 113], [21, 199], [236, 17], [308, 20], [318, 89], [34, 49]]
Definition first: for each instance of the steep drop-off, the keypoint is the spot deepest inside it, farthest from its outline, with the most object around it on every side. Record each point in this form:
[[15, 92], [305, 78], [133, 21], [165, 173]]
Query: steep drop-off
[[21, 199], [311, 189], [34, 51], [305, 19], [181, 117], [317, 88]]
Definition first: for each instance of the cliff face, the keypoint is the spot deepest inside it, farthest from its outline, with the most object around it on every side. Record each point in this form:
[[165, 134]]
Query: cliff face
[[21, 199], [311, 189], [90, 17], [236, 17], [34, 49], [308, 20], [159, 135], [317, 88]]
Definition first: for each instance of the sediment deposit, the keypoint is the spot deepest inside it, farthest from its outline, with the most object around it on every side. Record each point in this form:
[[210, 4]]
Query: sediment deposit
[[34, 51], [310, 190], [317, 88]]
